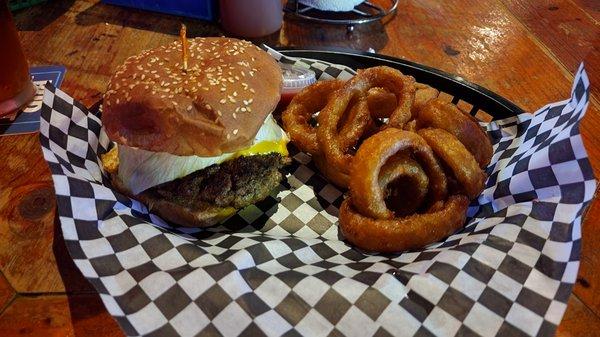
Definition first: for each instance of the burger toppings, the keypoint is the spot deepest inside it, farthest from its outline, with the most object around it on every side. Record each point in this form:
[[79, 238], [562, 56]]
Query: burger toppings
[[139, 169]]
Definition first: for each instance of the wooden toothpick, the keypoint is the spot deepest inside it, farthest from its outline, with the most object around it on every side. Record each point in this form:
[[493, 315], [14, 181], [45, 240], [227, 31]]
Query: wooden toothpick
[[184, 46]]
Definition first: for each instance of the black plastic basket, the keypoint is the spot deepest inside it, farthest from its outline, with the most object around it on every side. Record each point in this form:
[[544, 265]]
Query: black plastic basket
[[479, 97]]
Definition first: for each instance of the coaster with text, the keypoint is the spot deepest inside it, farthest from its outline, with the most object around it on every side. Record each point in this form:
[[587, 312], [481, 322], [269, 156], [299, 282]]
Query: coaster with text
[[28, 120]]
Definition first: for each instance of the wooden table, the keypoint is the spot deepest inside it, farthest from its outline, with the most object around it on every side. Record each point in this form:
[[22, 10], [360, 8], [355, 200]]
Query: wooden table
[[524, 50]]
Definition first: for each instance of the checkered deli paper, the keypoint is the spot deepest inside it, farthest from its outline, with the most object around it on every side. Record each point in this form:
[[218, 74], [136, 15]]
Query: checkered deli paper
[[281, 267]]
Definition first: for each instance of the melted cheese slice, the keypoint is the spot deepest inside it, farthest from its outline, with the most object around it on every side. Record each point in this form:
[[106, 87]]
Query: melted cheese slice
[[140, 170]]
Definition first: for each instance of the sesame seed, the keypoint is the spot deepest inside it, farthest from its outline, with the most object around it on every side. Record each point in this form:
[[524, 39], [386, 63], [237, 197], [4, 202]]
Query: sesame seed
[[231, 99], [243, 109], [117, 101], [251, 90], [235, 94], [234, 116], [235, 131], [189, 108], [208, 107], [223, 101], [228, 136], [174, 103], [223, 89]]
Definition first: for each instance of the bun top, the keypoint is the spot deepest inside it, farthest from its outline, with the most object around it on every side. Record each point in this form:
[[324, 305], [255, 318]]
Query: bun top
[[216, 106]]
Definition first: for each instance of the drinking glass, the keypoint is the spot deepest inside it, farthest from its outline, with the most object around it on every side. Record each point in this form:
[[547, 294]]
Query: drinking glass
[[16, 87], [253, 18]]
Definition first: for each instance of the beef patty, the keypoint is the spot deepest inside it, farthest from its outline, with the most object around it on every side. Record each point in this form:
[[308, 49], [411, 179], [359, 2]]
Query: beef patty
[[235, 183]]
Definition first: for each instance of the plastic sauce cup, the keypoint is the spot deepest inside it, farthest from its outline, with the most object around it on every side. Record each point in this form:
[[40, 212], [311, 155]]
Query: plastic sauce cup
[[294, 80]]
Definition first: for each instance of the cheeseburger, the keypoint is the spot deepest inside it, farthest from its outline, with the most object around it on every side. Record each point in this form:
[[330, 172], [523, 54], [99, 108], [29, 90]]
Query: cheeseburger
[[195, 142]]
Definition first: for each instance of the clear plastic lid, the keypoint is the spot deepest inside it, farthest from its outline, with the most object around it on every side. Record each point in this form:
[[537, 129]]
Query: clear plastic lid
[[296, 78]]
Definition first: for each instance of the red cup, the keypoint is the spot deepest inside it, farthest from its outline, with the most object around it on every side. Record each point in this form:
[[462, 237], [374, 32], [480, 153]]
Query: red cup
[[251, 19], [16, 88]]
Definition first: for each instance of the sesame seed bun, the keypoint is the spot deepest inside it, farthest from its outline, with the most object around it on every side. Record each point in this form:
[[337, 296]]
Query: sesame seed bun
[[216, 106]]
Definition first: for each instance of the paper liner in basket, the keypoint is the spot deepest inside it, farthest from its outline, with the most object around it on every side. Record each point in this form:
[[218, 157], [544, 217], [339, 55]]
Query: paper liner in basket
[[280, 267]]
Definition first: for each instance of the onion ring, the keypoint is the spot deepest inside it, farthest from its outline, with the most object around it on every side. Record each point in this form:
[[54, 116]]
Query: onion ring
[[455, 155], [296, 117], [423, 95], [372, 155], [445, 115], [333, 146], [399, 234], [350, 134], [404, 198], [402, 86], [411, 126], [381, 102]]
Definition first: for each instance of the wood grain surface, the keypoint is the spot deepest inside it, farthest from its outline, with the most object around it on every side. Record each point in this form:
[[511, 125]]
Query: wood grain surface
[[579, 321], [7, 293], [525, 51], [58, 315], [568, 30]]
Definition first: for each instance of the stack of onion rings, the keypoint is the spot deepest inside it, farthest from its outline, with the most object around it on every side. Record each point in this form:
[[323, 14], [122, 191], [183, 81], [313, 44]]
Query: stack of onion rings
[[411, 161]]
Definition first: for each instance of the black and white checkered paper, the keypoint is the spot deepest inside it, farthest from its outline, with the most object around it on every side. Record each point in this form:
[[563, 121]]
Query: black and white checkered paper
[[280, 267]]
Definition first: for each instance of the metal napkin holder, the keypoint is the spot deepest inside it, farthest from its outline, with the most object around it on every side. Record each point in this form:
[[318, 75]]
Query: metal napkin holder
[[365, 12]]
